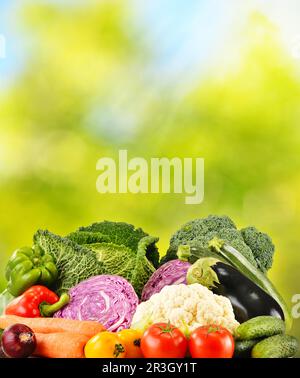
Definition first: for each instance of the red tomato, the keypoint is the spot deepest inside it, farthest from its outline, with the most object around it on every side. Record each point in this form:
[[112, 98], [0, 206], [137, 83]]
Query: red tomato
[[162, 340], [211, 342]]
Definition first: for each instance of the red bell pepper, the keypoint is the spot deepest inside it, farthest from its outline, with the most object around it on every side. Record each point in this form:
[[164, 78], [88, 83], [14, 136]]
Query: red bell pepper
[[36, 302]]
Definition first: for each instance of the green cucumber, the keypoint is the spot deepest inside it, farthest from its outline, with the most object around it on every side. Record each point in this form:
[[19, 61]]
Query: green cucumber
[[259, 327], [242, 348], [278, 346]]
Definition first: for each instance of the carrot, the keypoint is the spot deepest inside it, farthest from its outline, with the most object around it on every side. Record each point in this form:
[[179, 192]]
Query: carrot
[[60, 345], [54, 325]]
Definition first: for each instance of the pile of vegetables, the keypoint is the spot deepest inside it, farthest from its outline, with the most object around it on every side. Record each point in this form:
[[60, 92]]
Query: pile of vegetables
[[102, 291]]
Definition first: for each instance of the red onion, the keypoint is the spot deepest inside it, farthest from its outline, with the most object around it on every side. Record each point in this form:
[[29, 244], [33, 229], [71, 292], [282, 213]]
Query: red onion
[[18, 341], [2, 355]]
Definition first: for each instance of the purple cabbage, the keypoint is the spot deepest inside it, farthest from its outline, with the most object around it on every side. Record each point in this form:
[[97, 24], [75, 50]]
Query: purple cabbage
[[109, 300], [171, 273]]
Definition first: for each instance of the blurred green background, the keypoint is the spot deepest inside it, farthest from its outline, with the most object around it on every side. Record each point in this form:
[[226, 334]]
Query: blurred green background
[[212, 79]]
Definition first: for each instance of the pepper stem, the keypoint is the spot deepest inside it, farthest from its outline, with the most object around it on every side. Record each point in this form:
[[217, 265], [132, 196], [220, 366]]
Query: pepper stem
[[118, 350], [47, 310]]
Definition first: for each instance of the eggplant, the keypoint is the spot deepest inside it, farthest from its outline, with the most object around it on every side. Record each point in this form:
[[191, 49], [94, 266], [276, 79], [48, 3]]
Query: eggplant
[[221, 251], [247, 298]]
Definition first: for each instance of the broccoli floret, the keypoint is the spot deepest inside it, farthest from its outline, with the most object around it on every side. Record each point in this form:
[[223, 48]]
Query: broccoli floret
[[234, 238], [216, 222], [230, 236], [197, 231], [261, 245]]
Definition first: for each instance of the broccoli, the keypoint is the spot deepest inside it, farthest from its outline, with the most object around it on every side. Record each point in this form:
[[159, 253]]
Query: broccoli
[[234, 238], [196, 231], [216, 222], [261, 245], [257, 247], [199, 228]]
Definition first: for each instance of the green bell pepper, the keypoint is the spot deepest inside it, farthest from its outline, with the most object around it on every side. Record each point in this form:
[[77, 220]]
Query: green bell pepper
[[27, 267]]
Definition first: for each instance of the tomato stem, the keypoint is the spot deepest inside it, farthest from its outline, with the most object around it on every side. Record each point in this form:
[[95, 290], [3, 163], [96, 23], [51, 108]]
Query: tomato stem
[[118, 350], [167, 328], [213, 329]]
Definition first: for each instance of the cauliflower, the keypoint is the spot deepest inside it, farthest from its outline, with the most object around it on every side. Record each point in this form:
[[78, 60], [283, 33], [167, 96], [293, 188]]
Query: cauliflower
[[187, 306]]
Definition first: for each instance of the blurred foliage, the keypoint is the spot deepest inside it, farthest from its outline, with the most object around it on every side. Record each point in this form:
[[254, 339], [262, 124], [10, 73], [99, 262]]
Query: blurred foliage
[[85, 92]]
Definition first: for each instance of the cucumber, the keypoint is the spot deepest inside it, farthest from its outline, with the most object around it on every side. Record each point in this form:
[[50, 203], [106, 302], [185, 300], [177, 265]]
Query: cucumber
[[278, 346], [242, 348], [260, 327]]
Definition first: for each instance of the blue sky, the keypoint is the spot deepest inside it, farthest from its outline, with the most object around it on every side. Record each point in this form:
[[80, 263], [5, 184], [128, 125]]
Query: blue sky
[[184, 33], [187, 34], [14, 54]]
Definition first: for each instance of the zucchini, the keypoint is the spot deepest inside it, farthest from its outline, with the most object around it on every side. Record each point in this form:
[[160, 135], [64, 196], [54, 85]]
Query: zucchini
[[279, 346], [242, 348], [259, 327]]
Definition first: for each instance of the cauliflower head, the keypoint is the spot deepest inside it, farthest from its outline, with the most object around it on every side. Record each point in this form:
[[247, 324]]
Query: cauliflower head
[[186, 306]]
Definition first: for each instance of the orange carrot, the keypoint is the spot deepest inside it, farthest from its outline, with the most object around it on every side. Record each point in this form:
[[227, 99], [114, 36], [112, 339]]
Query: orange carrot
[[54, 325], [60, 345]]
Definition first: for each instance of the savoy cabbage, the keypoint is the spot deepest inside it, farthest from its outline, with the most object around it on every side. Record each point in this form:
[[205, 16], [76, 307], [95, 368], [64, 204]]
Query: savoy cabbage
[[102, 248]]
